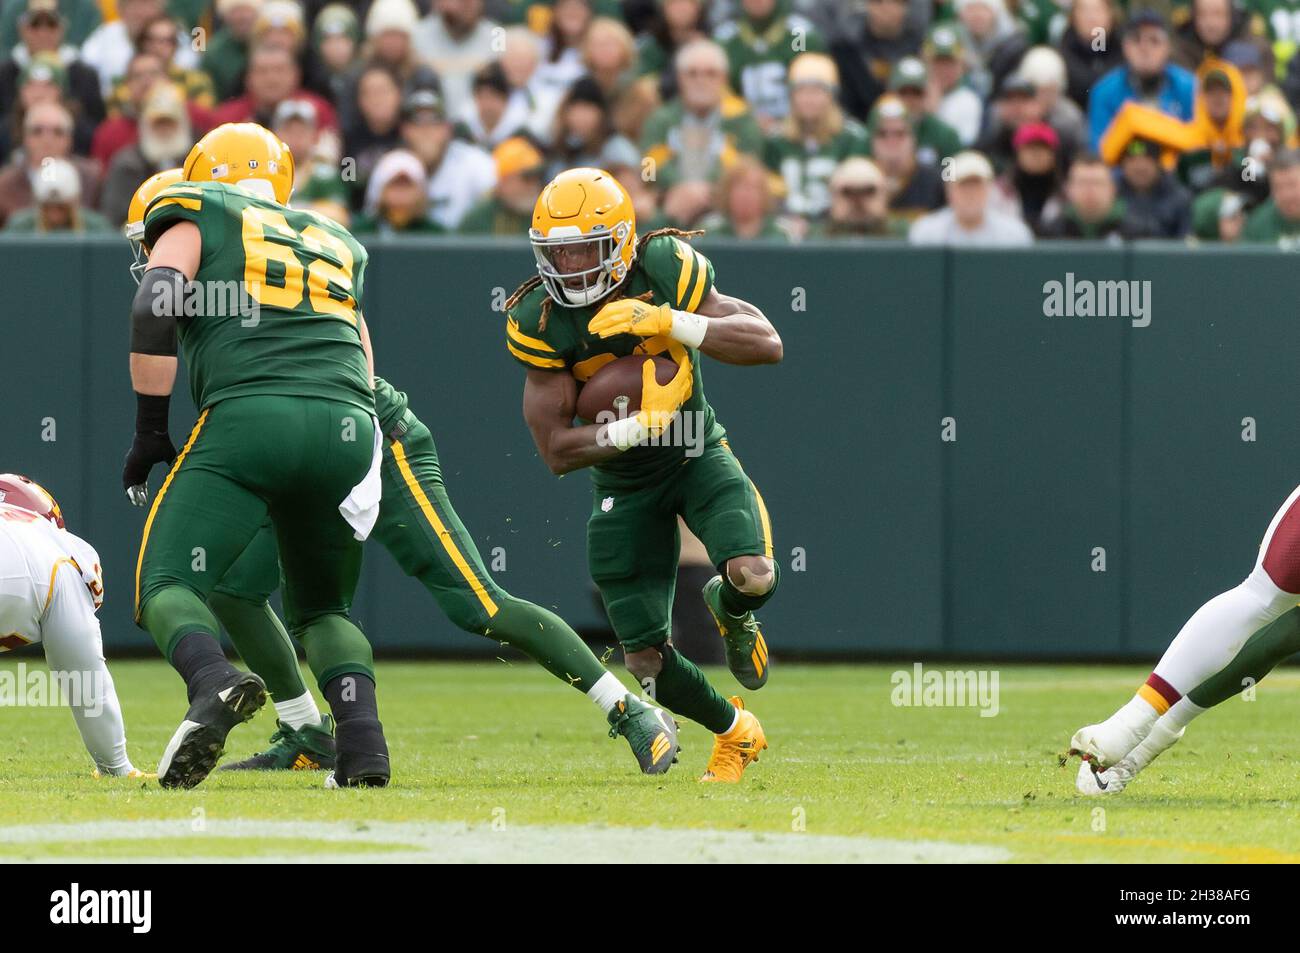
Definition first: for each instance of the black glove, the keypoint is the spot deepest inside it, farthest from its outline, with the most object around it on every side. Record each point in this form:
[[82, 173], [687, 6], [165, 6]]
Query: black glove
[[146, 450], [150, 445]]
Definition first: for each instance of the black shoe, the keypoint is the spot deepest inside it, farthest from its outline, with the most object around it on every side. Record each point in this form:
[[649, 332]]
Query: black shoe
[[200, 740], [361, 759]]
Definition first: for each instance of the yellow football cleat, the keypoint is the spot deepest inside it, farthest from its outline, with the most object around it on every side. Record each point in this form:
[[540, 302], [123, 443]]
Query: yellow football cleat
[[135, 774], [733, 751]]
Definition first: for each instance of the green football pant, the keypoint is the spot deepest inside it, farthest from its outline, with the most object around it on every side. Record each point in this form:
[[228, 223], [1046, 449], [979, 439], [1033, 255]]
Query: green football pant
[[633, 543], [420, 528], [249, 459], [256, 631]]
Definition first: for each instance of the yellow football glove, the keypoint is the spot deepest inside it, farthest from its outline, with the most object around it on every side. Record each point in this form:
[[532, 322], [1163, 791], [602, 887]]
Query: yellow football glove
[[660, 402], [630, 316]]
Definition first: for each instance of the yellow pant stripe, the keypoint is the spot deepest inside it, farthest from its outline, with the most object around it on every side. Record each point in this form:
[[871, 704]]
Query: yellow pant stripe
[[157, 501], [449, 544]]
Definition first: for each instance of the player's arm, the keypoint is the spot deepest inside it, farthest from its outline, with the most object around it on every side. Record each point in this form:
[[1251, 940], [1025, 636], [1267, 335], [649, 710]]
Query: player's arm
[[367, 347], [736, 331], [159, 301], [550, 400], [726, 328]]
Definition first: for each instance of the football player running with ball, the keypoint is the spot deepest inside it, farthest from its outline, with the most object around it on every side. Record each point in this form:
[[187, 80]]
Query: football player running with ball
[[286, 431], [602, 293]]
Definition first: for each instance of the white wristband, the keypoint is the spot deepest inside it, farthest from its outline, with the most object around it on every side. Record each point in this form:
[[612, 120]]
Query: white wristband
[[626, 432], [689, 328]]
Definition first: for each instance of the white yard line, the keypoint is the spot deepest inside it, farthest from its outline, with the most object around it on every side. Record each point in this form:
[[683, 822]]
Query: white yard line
[[461, 843]]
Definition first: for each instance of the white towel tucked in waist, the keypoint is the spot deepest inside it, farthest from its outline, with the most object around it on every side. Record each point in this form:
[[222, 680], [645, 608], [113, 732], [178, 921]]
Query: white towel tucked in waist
[[361, 508]]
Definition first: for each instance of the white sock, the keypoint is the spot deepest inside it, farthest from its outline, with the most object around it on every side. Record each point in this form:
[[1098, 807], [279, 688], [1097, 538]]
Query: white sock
[[1138, 713], [1181, 714], [607, 692], [735, 720], [299, 711], [1215, 634], [1159, 739]]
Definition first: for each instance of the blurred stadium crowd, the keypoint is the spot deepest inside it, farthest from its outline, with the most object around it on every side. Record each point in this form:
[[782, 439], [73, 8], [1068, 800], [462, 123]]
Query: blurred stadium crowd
[[944, 121]]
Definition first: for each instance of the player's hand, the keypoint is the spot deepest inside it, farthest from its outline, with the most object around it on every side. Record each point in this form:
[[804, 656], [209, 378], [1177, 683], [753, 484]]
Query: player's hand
[[148, 448], [660, 402], [630, 316]]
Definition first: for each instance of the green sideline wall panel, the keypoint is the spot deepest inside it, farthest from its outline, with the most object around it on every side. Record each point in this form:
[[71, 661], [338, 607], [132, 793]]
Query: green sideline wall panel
[[1034, 474], [1072, 433], [1199, 497]]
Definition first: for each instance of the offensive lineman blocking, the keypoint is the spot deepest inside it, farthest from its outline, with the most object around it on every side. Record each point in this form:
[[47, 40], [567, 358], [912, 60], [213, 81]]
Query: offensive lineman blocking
[[286, 431]]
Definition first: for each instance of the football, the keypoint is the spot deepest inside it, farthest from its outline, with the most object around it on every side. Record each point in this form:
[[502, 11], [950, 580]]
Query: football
[[616, 387]]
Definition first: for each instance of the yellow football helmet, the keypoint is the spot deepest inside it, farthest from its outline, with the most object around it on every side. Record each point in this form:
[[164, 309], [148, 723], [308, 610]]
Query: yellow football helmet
[[246, 154], [583, 236], [134, 227]]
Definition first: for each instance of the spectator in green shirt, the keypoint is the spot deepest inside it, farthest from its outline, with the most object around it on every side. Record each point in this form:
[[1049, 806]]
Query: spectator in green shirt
[[226, 59], [760, 45], [935, 139], [746, 203], [508, 210], [1279, 217], [691, 139], [397, 198], [316, 172], [57, 206]]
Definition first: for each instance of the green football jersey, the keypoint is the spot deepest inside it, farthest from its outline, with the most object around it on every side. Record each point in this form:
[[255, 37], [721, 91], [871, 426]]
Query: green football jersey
[[390, 404], [277, 311], [806, 167], [674, 273]]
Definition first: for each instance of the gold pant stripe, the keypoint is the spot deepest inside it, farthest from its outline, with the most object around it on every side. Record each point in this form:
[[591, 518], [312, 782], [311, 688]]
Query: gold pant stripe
[[157, 501], [449, 544]]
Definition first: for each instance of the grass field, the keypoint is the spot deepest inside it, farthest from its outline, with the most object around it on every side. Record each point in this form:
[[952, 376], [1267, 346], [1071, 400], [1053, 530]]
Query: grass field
[[496, 761]]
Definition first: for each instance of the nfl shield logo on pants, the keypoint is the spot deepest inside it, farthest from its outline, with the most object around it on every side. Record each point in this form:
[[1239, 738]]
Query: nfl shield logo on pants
[[607, 504]]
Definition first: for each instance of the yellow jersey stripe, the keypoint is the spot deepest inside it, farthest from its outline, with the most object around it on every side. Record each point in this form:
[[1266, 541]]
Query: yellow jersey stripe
[[157, 501], [192, 204], [533, 359], [686, 256], [537, 344], [701, 276], [445, 537]]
